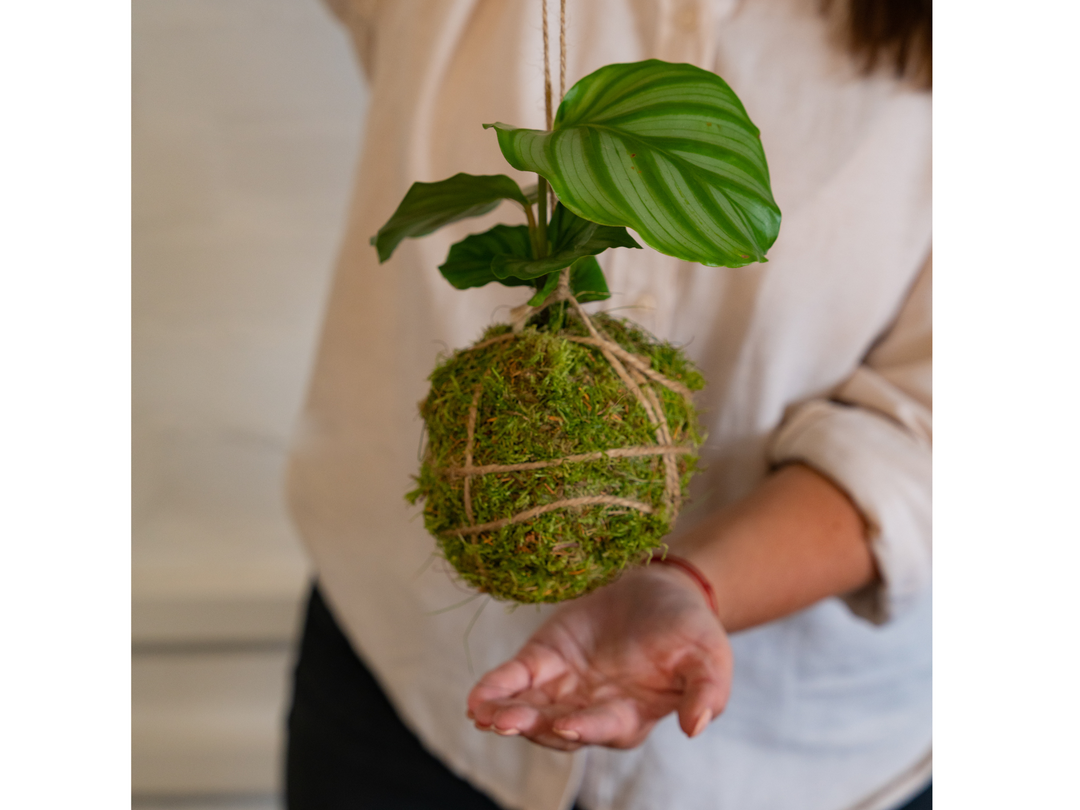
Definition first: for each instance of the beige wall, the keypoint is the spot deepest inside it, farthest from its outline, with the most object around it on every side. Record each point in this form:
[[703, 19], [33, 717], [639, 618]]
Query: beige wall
[[246, 121]]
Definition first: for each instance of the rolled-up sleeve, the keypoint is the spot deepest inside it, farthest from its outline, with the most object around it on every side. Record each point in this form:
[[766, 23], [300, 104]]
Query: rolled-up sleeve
[[872, 437]]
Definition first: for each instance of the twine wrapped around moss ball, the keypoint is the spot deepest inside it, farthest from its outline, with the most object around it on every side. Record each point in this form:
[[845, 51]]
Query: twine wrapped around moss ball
[[555, 459]]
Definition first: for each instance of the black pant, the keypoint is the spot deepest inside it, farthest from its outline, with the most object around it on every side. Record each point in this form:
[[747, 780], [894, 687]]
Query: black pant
[[347, 748]]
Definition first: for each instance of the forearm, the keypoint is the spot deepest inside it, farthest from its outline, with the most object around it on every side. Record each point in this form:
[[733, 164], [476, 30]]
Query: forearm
[[795, 540]]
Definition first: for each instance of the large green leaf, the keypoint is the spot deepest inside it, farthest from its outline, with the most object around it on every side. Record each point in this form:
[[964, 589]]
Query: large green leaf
[[429, 206], [468, 264], [665, 149], [572, 238]]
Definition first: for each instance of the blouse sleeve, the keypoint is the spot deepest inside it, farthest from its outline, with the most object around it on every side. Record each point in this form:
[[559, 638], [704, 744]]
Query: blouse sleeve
[[872, 437]]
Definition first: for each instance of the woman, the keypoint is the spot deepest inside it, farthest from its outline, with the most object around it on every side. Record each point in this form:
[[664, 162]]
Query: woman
[[810, 686]]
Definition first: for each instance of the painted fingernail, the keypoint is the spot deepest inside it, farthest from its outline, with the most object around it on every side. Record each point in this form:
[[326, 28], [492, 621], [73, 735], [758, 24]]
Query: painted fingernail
[[568, 734], [701, 723], [507, 732]]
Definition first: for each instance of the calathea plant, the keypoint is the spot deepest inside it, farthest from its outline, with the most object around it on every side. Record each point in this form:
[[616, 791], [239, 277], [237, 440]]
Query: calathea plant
[[559, 447]]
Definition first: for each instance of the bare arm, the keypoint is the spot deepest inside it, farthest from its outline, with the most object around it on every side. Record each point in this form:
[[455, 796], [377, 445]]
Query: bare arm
[[795, 540]]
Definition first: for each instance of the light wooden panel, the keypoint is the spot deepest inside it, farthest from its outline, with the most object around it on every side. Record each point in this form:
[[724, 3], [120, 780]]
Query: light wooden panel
[[246, 121]]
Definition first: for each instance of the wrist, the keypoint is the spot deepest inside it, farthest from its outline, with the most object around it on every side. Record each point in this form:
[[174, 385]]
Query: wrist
[[794, 540], [692, 572]]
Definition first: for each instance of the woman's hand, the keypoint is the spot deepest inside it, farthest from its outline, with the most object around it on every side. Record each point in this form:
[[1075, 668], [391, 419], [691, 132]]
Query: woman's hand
[[606, 667]]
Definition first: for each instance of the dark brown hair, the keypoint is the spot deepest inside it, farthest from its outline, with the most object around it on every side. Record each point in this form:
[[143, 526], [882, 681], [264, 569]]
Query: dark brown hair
[[894, 34]]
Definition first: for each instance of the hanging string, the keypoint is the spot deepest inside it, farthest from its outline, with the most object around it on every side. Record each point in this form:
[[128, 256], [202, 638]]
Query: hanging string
[[541, 183], [547, 59], [547, 68], [562, 49]]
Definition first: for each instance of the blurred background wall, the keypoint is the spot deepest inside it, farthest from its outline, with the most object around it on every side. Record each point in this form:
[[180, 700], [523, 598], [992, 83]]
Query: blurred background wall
[[246, 120]]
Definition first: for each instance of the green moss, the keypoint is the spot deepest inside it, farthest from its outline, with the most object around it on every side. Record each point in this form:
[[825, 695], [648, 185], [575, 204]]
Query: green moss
[[543, 397]]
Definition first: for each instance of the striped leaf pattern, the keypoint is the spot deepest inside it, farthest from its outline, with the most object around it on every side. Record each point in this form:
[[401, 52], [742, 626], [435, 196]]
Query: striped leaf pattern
[[665, 149]]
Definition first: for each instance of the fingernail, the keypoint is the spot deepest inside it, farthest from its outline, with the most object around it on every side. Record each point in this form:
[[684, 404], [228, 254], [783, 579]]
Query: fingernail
[[508, 732], [568, 734], [701, 723]]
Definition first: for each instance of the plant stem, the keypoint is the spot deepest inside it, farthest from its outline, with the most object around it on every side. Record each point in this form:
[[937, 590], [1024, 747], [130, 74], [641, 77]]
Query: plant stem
[[534, 234], [541, 208]]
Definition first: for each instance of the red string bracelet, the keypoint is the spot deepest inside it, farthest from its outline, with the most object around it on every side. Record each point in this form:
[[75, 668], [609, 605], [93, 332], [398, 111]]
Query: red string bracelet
[[693, 571]]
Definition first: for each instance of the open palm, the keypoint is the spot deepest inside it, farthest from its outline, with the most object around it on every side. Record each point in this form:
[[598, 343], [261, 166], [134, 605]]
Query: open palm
[[606, 667]]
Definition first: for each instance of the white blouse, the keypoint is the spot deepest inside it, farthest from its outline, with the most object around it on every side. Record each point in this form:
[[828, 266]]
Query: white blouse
[[820, 355]]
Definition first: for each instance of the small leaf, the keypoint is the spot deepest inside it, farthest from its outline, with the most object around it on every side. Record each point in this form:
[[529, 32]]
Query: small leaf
[[571, 239], [550, 282], [568, 231], [468, 264], [429, 206], [587, 281], [505, 267], [665, 149]]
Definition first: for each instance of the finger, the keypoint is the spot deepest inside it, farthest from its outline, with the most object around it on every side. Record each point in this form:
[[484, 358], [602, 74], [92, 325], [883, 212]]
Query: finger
[[616, 723], [705, 695], [529, 712], [531, 722], [500, 683], [534, 664], [517, 718], [542, 731], [550, 740]]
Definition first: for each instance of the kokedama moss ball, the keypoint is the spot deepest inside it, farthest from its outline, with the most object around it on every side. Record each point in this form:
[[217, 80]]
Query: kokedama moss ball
[[541, 397]]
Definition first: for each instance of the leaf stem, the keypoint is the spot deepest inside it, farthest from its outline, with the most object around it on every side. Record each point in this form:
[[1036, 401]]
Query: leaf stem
[[541, 209], [534, 234]]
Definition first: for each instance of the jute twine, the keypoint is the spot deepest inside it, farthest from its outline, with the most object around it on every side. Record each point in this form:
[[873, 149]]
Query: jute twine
[[547, 58], [636, 374]]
